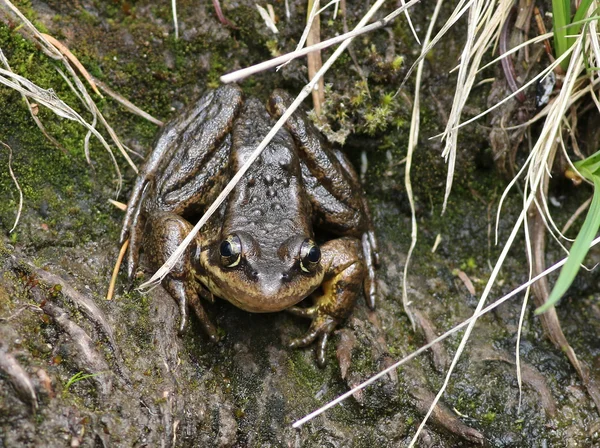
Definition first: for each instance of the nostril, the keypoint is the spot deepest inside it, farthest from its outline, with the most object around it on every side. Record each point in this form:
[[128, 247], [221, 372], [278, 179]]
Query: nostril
[[254, 274], [285, 276]]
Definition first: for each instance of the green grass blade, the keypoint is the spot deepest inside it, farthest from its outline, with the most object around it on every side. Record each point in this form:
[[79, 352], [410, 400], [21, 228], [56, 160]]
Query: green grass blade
[[79, 376], [589, 166], [580, 13], [579, 249], [561, 17]]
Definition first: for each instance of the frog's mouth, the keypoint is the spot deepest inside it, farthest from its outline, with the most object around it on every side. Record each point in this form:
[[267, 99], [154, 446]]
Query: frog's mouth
[[272, 299], [264, 295]]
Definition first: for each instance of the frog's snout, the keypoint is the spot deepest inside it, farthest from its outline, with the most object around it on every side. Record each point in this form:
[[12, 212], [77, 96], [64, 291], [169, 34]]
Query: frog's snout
[[272, 292], [272, 286]]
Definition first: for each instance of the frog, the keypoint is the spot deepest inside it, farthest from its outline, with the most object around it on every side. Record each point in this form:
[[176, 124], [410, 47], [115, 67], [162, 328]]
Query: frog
[[296, 226]]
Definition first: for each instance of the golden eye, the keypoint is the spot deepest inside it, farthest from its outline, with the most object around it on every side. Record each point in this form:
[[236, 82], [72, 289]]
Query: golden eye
[[310, 255], [230, 250]]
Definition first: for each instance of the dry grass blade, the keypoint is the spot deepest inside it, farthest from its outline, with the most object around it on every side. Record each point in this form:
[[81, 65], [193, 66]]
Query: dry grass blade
[[269, 22], [87, 101], [31, 32], [313, 13], [457, 13], [410, 24], [49, 99], [582, 208], [528, 248], [46, 47], [175, 21], [312, 36], [33, 111], [128, 104], [115, 273], [482, 25], [537, 169], [14, 178], [165, 268], [120, 205], [71, 57]]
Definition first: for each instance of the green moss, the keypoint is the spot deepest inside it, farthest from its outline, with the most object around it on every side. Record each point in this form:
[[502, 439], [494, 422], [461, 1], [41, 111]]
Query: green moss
[[489, 417]]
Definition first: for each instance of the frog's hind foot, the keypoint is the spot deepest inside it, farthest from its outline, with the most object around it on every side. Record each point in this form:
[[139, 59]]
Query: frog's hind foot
[[320, 328]]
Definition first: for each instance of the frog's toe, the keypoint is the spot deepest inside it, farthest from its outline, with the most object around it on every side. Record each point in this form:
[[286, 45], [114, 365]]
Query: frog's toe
[[182, 325], [320, 329], [207, 325], [305, 340], [309, 312], [370, 288], [132, 262], [321, 347], [204, 293], [176, 289], [371, 257]]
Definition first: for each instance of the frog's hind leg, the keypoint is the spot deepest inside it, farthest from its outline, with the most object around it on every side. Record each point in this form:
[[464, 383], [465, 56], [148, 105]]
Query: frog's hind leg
[[345, 271], [167, 231]]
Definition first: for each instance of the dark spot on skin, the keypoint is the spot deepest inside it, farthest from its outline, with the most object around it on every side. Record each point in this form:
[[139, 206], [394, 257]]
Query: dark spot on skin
[[285, 181], [253, 199], [257, 212], [276, 206], [251, 181], [268, 179], [271, 193]]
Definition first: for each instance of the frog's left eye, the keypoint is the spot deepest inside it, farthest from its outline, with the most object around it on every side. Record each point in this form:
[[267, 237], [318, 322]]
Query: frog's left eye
[[310, 255], [231, 251]]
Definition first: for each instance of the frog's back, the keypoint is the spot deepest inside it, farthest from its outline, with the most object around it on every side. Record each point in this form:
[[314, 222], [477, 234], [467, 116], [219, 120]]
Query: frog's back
[[269, 201]]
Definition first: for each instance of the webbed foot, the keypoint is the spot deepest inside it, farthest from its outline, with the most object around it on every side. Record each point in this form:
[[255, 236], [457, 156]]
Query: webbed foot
[[321, 327]]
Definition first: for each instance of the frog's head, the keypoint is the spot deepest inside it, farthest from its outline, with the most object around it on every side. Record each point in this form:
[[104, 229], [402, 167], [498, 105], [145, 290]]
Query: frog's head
[[263, 276]]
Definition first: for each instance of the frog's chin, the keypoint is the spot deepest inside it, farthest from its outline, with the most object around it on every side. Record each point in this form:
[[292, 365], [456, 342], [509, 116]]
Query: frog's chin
[[269, 298], [266, 302]]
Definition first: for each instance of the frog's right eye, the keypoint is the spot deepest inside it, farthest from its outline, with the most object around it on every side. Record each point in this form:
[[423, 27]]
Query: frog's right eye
[[231, 251]]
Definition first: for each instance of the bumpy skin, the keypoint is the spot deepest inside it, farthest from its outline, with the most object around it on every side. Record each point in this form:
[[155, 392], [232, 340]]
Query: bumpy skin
[[297, 184]]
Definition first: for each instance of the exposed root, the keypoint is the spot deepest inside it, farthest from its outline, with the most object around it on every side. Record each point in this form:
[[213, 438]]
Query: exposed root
[[87, 306], [444, 417], [440, 355], [18, 378], [83, 351], [531, 376]]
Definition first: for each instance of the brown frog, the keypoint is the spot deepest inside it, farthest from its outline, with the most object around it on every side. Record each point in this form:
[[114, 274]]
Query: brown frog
[[259, 251]]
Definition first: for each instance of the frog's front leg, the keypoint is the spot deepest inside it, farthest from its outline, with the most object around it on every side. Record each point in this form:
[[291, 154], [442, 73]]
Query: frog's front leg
[[166, 232], [345, 271]]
